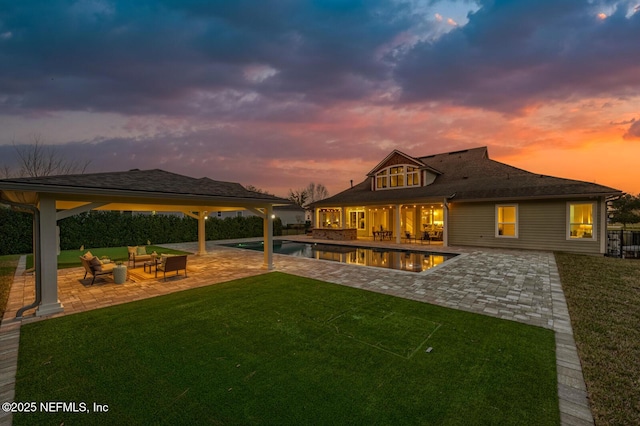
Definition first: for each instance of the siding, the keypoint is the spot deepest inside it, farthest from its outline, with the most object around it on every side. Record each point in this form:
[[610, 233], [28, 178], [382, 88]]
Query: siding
[[541, 226]]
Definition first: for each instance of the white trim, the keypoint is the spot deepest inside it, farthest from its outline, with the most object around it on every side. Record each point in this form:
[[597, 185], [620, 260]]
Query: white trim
[[594, 227], [404, 174], [497, 224]]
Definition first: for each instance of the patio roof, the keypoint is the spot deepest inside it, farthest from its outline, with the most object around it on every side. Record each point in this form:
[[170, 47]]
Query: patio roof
[[136, 190]]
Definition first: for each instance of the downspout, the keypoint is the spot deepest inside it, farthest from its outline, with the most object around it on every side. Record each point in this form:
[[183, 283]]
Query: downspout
[[36, 251], [445, 230]]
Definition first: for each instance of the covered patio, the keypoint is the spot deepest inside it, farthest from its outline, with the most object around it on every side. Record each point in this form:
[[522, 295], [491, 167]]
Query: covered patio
[[423, 222], [53, 198]]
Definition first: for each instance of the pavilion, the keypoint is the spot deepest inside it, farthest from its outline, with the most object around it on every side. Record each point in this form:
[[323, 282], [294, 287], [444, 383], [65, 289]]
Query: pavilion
[[52, 198]]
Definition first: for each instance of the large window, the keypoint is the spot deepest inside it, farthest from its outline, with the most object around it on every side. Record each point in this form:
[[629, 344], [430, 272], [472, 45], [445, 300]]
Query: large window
[[356, 219], [397, 177], [581, 223], [413, 176], [507, 221], [382, 179]]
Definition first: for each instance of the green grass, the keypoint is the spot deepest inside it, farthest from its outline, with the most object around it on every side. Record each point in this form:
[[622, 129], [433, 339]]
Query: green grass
[[71, 258], [603, 296], [281, 349], [8, 266]]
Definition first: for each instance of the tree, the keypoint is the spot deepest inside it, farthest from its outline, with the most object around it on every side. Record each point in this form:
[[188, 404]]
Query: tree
[[38, 159], [626, 209], [256, 189], [316, 192], [310, 194], [298, 197]]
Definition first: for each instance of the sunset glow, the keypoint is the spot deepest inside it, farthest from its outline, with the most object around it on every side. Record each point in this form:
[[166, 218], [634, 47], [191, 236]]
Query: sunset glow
[[281, 94]]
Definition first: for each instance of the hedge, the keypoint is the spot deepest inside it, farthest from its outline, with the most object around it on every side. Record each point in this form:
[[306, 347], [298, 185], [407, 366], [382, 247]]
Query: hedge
[[115, 229]]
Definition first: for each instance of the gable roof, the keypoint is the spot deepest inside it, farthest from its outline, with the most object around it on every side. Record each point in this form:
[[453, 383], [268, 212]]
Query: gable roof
[[470, 175], [399, 157]]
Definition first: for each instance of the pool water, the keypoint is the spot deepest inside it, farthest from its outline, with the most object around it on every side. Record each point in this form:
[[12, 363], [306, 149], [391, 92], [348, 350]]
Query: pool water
[[404, 260]]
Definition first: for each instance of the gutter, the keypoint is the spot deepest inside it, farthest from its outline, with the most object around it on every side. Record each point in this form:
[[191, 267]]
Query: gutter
[[28, 208]]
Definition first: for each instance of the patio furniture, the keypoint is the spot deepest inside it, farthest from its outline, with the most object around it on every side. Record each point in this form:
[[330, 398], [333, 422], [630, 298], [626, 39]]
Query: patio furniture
[[155, 261], [94, 267], [138, 254], [172, 263], [425, 237], [120, 274]]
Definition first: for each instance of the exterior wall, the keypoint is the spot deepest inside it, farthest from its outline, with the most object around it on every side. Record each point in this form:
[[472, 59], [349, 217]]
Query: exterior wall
[[542, 225]]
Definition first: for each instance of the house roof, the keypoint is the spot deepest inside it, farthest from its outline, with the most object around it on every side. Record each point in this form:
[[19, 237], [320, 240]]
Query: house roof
[[142, 186], [470, 175]]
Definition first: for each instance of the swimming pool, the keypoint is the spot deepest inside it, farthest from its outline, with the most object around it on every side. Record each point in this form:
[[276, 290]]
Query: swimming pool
[[404, 260]]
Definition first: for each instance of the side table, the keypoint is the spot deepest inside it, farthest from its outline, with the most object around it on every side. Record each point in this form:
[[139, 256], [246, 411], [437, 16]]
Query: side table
[[120, 274]]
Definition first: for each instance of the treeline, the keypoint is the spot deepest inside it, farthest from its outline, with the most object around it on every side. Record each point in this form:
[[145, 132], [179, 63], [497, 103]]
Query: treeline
[[114, 229]]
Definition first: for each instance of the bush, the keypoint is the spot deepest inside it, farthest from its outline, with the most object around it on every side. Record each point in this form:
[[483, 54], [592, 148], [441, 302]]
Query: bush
[[116, 229]]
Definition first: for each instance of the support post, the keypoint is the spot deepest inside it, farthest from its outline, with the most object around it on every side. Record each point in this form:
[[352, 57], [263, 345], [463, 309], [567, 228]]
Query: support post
[[445, 223], [268, 237], [202, 239], [49, 259], [398, 217]]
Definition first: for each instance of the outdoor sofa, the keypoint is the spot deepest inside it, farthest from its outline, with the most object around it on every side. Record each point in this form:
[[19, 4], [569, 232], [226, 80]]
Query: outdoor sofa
[[172, 263]]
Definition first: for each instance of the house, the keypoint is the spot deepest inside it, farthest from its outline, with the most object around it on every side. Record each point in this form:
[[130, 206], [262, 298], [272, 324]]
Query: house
[[288, 215], [464, 198]]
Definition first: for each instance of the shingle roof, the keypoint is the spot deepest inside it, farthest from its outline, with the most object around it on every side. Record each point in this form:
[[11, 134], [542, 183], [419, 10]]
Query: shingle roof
[[470, 175], [143, 181]]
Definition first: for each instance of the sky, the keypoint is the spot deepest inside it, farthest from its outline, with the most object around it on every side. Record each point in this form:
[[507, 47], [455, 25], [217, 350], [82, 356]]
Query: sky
[[280, 93]]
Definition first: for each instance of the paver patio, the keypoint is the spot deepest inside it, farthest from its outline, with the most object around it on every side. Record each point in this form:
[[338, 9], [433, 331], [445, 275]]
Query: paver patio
[[522, 286]]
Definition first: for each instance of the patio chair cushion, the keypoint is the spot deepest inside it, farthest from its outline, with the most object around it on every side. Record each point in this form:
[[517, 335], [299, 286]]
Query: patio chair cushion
[[88, 255], [96, 265], [140, 251]]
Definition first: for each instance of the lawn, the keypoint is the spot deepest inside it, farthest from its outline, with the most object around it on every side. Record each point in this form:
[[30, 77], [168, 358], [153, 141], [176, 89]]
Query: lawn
[[281, 349], [71, 258], [603, 296], [8, 266]]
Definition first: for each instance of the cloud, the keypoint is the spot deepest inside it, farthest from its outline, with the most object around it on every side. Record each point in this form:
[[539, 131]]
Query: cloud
[[634, 131], [150, 57], [511, 55]]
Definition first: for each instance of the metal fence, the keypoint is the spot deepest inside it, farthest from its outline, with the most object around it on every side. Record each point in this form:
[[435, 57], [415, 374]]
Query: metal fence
[[623, 244]]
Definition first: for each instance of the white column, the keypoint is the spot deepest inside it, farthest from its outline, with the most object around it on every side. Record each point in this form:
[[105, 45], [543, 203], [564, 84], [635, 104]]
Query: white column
[[602, 231], [343, 217], [202, 239], [398, 217], [445, 223], [268, 238], [49, 267]]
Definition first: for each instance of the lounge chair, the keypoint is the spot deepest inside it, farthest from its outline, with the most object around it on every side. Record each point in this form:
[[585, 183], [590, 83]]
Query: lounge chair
[[138, 254], [94, 267]]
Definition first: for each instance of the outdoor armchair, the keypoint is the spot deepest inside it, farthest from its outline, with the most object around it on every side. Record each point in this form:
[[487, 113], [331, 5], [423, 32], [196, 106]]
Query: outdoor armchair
[[94, 267], [138, 254]]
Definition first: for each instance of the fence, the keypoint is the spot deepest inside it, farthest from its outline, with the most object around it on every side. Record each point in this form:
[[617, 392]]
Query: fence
[[623, 243]]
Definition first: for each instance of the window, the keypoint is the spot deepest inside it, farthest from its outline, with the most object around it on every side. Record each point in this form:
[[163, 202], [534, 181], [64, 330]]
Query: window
[[507, 221], [356, 219], [413, 176], [581, 221], [397, 176], [382, 179]]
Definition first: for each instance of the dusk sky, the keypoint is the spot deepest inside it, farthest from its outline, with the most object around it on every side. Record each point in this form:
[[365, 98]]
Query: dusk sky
[[280, 93]]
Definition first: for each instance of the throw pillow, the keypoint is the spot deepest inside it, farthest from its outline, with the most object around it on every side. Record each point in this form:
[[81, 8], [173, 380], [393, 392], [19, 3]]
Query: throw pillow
[[132, 250], [96, 265], [88, 255], [141, 251]]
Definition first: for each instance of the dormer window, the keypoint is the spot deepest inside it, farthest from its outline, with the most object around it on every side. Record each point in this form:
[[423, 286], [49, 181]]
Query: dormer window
[[382, 181], [397, 176]]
